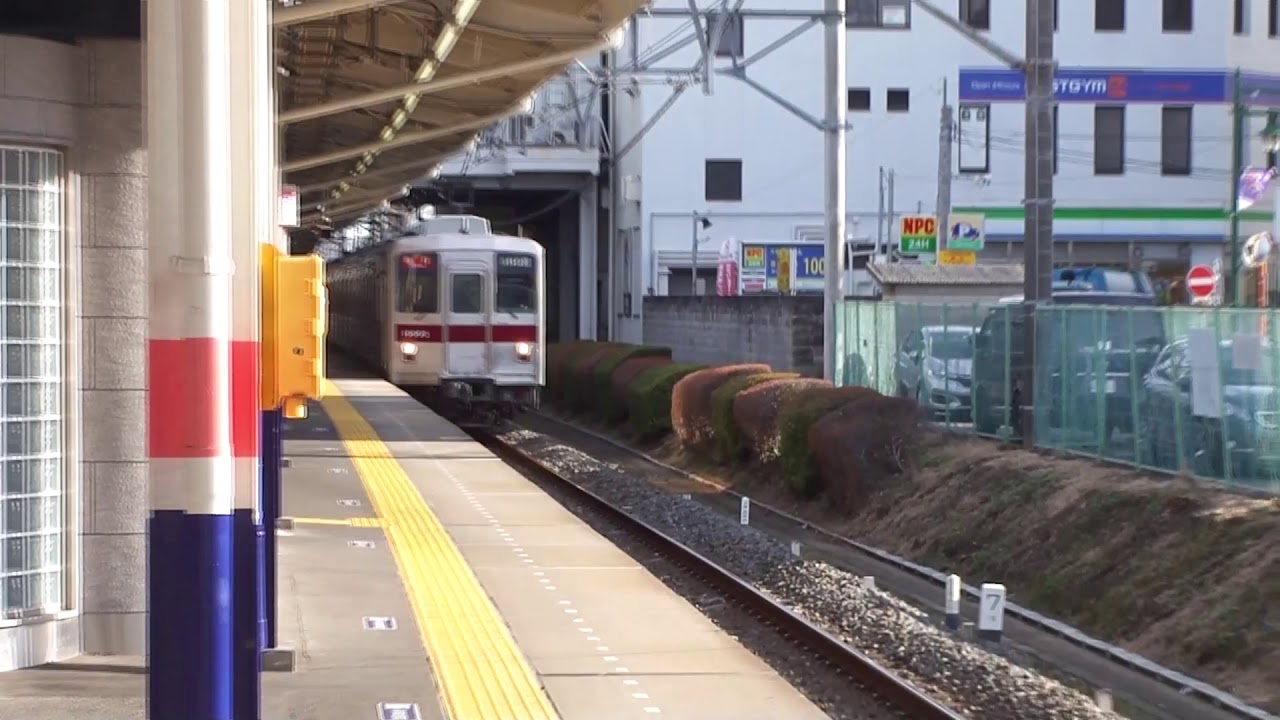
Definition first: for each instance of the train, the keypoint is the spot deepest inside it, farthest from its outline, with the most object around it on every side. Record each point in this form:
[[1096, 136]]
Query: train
[[449, 312]]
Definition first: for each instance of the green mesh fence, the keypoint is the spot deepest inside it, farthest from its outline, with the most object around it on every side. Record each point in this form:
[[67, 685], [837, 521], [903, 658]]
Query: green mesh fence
[[1179, 390]]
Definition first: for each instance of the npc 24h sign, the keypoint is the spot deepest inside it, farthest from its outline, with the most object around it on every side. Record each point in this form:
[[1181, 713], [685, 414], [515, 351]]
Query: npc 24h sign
[[968, 231]]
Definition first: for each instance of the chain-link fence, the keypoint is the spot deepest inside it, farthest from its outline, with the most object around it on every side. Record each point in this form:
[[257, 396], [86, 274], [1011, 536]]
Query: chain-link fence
[[1172, 389]]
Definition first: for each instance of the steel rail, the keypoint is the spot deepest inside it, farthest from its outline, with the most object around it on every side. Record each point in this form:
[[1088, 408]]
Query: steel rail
[[904, 697]]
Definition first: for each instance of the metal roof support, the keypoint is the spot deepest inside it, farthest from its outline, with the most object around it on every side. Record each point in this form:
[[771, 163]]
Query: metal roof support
[[401, 141], [452, 82], [357, 180], [318, 9]]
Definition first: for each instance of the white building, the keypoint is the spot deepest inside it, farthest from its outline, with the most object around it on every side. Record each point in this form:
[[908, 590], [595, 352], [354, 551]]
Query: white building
[[1144, 155]]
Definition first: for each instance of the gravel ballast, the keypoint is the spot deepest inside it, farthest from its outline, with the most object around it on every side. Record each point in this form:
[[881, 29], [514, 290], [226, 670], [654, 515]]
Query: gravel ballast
[[965, 676]]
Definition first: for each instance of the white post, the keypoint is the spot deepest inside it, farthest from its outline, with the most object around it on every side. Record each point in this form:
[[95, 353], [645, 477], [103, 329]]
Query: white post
[[1104, 700], [869, 582], [192, 476], [744, 512], [953, 602], [991, 612], [795, 548]]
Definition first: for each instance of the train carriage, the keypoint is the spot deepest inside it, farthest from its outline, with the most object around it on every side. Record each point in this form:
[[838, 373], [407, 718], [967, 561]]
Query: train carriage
[[451, 312]]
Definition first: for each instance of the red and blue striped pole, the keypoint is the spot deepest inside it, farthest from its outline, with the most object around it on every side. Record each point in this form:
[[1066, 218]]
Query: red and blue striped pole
[[192, 472], [255, 197]]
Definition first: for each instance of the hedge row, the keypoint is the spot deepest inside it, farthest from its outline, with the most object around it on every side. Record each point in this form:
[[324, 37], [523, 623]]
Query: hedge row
[[818, 439]]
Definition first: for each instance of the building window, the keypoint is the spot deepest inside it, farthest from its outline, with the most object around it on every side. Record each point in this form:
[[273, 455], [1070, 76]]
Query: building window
[[1055, 15], [1177, 16], [32, 207], [898, 100], [891, 14], [976, 14], [1240, 19], [723, 180], [859, 99], [1175, 141], [973, 138], [1108, 15], [731, 38], [1108, 140], [1273, 18]]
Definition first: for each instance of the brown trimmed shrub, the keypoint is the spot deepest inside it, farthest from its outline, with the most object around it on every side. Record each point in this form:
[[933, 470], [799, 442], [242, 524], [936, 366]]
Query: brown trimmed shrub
[[798, 414], [691, 400], [614, 402], [860, 445], [559, 366], [756, 411], [602, 376], [649, 402], [577, 380], [729, 441]]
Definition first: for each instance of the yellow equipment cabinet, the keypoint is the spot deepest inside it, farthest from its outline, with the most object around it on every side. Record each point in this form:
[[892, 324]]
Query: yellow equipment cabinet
[[294, 311]]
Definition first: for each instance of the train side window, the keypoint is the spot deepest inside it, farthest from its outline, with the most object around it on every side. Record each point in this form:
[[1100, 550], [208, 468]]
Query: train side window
[[517, 287], [418, 284], [467, 293]]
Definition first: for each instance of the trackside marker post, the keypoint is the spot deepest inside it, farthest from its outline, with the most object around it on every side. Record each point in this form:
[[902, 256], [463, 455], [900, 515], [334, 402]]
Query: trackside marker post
[[953, 602], [991, 603], [744, 514], [869, 582], [795, 548], [1103, 699]]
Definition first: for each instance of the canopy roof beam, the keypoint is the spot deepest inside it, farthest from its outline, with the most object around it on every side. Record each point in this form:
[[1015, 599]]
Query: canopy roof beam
[[320, 9]]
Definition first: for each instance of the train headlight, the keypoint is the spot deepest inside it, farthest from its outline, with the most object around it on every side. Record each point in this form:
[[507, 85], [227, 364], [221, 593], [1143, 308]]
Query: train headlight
[[524, 351], [408, 350]]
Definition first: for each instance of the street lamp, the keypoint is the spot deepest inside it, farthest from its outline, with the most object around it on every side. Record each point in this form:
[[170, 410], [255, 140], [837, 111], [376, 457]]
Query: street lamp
[[700, 222]]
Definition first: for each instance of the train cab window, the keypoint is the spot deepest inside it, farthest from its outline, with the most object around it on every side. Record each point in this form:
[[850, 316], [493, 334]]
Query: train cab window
[[418, 284], [467, 293], [517, 287]]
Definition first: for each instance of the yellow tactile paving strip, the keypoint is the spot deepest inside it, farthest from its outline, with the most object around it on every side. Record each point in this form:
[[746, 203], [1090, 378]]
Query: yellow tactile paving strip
[[480, 671]]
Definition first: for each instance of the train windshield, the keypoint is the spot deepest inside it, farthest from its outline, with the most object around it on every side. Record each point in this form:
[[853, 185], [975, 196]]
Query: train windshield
[[418, 284], [517, 287]]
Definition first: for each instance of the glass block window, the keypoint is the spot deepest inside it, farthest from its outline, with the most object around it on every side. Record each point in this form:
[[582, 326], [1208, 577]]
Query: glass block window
[[32, 541]]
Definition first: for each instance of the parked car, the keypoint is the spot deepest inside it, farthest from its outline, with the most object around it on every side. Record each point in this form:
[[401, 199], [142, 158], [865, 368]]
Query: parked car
[[1091, 360], [935, 366], [1242, 424]]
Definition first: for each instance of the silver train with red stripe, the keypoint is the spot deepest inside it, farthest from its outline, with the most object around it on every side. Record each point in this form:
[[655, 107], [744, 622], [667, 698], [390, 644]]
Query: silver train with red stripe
[[451, 313]]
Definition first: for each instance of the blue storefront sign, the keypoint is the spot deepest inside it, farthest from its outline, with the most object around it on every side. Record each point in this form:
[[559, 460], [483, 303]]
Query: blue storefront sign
[[762, 263], [1094, 85]]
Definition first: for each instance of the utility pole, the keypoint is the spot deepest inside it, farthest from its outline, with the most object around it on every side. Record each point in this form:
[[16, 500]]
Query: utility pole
[[890, 216], [880, 218], [1037, 242], [944, 171], [835, 48]]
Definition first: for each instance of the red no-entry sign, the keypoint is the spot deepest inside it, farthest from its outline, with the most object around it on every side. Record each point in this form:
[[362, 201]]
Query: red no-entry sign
[[1201, 281]]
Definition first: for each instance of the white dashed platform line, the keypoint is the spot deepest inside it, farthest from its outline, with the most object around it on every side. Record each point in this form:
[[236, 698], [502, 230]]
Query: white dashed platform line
[[566, 605]]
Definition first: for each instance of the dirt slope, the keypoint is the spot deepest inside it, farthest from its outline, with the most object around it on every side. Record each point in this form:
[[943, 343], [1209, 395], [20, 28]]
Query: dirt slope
[[1185, 574], [1182, 573]]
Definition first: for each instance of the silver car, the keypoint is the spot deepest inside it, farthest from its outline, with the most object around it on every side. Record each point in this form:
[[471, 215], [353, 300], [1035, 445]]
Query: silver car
[[935, 366]]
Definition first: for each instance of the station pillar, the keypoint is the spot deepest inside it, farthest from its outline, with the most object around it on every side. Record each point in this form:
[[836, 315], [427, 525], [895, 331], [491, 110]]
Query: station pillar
[[192, 469]]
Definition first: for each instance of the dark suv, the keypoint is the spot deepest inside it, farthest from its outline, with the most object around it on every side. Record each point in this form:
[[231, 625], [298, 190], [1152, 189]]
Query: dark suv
[[1092, 362]]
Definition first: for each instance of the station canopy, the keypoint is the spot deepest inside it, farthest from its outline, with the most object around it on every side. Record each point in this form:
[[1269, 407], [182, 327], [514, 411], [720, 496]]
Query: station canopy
[[374, 94]]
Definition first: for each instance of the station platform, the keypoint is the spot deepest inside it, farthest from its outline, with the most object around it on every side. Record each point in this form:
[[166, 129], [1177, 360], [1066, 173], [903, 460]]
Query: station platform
[[422, 578]]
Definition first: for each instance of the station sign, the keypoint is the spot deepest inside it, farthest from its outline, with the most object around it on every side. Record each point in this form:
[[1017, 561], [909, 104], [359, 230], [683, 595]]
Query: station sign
[[289, 213], [918, 235]]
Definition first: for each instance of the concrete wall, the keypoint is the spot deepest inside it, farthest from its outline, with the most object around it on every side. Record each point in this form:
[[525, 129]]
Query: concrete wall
[[113, 321], [785, 332], [86, 100]]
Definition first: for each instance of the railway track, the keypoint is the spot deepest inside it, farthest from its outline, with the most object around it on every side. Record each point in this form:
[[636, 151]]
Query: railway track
[[894, 692]]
